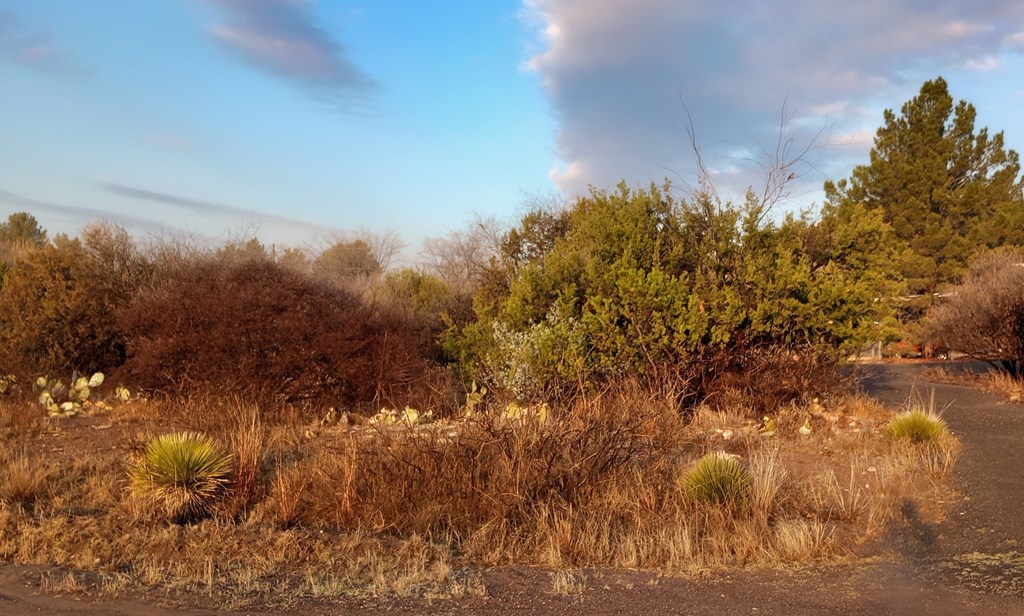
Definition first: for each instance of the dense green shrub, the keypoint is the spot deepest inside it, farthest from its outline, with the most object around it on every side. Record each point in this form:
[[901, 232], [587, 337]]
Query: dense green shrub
[[637, 282]]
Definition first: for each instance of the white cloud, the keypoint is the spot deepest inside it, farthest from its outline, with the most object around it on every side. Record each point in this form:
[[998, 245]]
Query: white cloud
[[983, 64], [626, 77], [964, 29]]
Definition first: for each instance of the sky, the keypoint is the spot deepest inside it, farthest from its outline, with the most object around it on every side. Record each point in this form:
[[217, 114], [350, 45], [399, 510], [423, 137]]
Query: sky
[[296, 119]]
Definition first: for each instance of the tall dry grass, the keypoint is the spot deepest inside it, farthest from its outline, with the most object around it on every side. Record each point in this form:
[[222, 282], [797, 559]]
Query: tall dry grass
[[318, 510], [997, 382]]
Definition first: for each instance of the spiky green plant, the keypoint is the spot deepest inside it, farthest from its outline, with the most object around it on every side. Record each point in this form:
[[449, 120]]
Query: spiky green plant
[[717, 478], [184, 472], [916, 425]]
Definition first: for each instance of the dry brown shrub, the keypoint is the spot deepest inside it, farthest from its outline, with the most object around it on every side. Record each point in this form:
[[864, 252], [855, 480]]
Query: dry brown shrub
[[984, 316], [259, 329], [764, 379], [408, 368]]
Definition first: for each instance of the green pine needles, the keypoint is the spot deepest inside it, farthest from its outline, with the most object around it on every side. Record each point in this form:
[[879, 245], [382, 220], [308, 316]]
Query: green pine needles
[[717, 478], [184, 472], [917, 426]]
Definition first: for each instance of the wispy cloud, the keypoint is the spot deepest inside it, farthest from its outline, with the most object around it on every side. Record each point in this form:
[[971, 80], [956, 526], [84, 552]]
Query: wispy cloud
[[982, 64], [184, 216], [211, 209], [282, 38], [169, 140], [35, 49], [619, 72], [74, 216]]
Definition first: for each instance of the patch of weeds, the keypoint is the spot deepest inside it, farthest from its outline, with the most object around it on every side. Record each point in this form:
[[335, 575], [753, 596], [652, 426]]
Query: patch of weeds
[[568, 582]]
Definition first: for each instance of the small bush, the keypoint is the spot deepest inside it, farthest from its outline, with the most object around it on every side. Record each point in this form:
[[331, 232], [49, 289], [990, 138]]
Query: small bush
[[57, 312], [917, 426], [984, 315], [717, 478], [185, 473]]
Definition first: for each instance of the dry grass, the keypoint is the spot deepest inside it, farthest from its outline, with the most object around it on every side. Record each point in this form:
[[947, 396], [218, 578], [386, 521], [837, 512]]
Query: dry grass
[[1006, 385], [23, 481], [18, 417], [568, 582], [317, 511], [994, 381]]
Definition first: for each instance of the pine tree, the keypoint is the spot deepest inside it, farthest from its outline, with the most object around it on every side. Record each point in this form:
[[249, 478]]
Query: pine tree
[[22, 227], [946, 190]]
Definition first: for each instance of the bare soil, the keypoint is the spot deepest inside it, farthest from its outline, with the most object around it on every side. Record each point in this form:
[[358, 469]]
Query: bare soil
[[970, 563]]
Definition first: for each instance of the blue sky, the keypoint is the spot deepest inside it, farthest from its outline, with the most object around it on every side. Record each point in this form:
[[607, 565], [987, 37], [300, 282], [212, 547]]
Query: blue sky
[[292, 118]]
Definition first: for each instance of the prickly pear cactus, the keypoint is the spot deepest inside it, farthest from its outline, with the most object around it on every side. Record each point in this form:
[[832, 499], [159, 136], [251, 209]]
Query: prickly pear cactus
[[7, 383], [63, 401]]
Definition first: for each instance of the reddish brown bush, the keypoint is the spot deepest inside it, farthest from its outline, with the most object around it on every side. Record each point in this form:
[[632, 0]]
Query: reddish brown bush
[[249, 326], [766, 378]]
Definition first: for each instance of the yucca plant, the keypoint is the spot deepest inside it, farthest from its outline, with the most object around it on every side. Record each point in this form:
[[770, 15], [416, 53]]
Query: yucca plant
[[717, 478], [916, 425], [184, 472]]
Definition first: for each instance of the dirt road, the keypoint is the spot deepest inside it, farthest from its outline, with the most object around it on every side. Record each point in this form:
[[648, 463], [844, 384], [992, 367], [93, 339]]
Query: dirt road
[[972, 563]]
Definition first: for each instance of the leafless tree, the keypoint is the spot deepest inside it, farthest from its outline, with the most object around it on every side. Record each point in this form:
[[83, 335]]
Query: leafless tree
[[382, 247], [461, 257], [780, 166], [984, 315]]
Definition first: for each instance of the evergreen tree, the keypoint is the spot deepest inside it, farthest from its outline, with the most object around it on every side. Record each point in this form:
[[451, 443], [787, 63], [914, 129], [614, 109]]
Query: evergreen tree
[[946, 190], [22, 227]]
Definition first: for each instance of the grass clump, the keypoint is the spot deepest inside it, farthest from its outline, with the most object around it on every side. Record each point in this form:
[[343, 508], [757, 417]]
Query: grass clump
[[917, 426], [184, 472], [22, 481], [717, 478]]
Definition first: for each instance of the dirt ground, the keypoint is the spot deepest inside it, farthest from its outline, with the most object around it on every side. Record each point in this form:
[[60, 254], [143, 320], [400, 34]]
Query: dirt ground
[[971, 563]]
